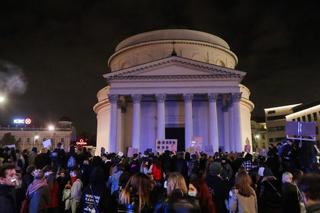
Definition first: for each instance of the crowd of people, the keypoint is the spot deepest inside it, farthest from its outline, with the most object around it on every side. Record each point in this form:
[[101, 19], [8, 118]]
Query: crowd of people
[[76, 181]]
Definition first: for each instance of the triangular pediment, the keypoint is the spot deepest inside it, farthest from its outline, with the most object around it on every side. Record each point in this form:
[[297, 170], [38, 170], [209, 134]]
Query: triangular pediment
[[175, 67]]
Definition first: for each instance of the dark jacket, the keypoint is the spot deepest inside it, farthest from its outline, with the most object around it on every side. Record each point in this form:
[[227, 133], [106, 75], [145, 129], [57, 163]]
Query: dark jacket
[[315, 208], [219, 189], [179, 203], [101, 200], [290, 201], [7, 199], [269, 195]]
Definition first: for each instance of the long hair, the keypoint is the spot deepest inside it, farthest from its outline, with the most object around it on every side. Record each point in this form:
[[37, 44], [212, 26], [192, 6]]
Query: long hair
[[243, 184], [176, 181], [140, 184], [204, 194]]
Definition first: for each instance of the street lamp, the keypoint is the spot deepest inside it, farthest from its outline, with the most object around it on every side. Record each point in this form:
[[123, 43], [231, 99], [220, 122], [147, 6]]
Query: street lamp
[[51, 127], [2, 99]]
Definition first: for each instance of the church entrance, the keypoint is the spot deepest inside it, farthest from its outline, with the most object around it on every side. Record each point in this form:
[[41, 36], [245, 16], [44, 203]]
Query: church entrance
[[176, 133]]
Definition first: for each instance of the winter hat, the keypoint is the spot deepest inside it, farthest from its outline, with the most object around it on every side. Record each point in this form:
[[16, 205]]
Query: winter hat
[[215, 168]]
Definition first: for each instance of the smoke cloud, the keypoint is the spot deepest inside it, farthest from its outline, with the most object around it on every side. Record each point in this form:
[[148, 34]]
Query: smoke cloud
[[12, 79]]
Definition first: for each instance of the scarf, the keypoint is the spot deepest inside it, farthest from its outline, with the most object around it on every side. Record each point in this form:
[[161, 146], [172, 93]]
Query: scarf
[[35, 185]]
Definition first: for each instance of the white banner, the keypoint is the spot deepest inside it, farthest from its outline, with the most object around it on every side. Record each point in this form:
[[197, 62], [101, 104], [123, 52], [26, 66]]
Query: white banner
[[47, 144], [166, 144]]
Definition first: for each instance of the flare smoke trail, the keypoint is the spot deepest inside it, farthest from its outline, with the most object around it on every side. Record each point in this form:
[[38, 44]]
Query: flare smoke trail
[[12, 79]]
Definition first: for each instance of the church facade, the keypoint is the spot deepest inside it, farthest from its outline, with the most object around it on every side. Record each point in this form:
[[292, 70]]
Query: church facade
[[173, 84]]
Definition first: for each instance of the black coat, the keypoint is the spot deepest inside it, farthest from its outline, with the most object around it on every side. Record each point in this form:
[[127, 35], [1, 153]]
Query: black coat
[[269, 196], [290, 201], [7, 199], [219, 189]]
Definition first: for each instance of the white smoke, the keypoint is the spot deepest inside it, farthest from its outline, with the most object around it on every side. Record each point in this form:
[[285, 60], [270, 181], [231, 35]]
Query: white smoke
[[12, 79]]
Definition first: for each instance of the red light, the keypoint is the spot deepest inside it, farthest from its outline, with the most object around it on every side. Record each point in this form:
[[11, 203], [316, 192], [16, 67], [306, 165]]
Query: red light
[[27, 121]]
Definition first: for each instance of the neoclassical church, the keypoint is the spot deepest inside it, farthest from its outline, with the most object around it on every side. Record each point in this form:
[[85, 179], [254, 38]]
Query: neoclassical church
[[173, 84]]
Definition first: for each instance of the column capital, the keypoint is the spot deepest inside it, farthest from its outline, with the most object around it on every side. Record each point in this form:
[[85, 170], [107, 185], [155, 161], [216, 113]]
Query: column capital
[[113, 98], [213, 97], [136, 98], [188, 97], [160, 97], [236, 96]]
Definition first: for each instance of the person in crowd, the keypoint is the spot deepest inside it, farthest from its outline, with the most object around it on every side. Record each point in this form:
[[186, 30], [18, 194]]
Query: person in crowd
[[242, 198], [135, 196], [94, 197], [247, 163], [38, 193], [135, 164], [113, 181], [226, 172], [27, 178], [290, 200], [201, 191], [217, 186], [76, 189], [42, 159], [7, 189], [32, 155], [62, 181], [156, 171], [310, 188], [178, 199], [269, 193], [180, 165], [50, 176]]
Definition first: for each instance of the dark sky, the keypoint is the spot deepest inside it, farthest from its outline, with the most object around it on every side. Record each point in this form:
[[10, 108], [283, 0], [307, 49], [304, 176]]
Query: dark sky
[[62, 47]]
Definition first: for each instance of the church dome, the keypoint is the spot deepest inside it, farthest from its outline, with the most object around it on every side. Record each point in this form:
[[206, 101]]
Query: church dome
[[154, 45], [172, 34]]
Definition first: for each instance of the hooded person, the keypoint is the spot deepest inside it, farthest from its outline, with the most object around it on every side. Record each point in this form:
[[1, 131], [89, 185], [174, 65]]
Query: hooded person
[[38, 192], [217, 186], [269, 193]]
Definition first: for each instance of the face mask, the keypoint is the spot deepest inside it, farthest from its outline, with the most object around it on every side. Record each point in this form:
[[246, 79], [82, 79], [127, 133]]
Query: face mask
[[192, 193]]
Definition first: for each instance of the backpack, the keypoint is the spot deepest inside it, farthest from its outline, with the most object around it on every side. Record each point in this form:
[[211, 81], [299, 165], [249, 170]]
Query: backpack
[[71, 162]]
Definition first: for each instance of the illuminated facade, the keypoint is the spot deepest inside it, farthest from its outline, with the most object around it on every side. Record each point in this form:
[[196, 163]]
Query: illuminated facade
[[28, 137], [259, 135], [173, 84], [276, 122], [306, 113]]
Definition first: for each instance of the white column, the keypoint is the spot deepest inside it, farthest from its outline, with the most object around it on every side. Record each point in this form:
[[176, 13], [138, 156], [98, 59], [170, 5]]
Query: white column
[[226, 128], [213, 122], [119, 130], [238, 143], [112, 146], [188, 121], [136, 121], [161, 116]]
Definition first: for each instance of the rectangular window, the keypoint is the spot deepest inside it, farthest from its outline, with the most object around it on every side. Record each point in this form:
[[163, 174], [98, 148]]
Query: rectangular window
[[315, 117], [298, 119], [62, 140], [270, 139], [293, 119], [304, 118], [309, 117], [28, 140], [271, 112]]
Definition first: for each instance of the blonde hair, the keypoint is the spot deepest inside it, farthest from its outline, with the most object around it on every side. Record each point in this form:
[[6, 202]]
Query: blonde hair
[[176, 181]]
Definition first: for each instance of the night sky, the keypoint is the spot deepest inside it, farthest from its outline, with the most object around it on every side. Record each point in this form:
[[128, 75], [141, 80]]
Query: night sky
[[60, 49]]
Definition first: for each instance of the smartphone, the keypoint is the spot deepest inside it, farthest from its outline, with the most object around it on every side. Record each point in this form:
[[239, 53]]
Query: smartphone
[[165, 184]]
